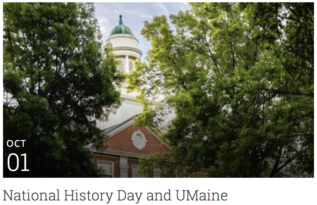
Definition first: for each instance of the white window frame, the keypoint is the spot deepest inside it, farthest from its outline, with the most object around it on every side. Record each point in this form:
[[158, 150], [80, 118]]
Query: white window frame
[[135, 171], [122, 65], [105, 161], [142, 142], [130, 65]]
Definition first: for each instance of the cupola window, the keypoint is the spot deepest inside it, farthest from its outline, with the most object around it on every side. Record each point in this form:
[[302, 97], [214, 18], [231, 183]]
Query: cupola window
[[121, 66], [130, 66]]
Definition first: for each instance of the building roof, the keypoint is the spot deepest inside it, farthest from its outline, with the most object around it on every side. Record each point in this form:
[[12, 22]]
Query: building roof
[[121, 29], [107, 130]]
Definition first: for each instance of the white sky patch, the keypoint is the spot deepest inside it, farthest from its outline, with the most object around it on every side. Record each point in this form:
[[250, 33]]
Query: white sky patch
[[104, 26], [163, 9], [146, 16], [136, 11]]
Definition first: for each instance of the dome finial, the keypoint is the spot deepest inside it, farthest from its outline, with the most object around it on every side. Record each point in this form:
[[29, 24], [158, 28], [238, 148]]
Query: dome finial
[[121, 29], [120, 21]]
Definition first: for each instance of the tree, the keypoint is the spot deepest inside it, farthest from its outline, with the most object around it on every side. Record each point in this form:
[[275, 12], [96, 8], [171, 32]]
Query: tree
[[238, 78], [55, 83]]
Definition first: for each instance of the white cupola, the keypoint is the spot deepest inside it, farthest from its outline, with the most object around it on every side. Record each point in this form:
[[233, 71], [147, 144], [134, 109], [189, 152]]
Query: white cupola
[[125, 46]]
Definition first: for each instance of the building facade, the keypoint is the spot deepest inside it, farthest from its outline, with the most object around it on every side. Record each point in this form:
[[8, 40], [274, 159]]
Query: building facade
[[125, 47], [126, 143], [124, 146]]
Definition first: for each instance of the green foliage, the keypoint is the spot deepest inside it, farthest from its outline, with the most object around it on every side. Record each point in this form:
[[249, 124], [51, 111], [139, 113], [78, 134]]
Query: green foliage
[[56, 83], [238, 78]]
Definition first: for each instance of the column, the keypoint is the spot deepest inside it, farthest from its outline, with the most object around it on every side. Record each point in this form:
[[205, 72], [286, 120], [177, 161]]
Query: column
[[123, 167], [127, 63], [157, 173]]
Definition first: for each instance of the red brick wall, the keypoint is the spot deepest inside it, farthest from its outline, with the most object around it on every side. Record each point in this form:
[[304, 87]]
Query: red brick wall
[[116, 163], [122, 142]]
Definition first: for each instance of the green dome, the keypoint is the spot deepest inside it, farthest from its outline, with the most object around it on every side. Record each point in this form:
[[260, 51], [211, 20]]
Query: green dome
[[121, 29]]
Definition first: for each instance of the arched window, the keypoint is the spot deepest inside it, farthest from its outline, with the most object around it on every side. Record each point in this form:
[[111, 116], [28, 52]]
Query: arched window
[[121, 66], [130, 66]]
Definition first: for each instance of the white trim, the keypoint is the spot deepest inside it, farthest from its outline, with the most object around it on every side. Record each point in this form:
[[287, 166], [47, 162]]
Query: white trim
[[141, 143], [153, 133], [126, 48], [122, 35], [129, 99], [103, 155], [116, 153], [121, 128], [132, 102], [124, 167], [126, 64]]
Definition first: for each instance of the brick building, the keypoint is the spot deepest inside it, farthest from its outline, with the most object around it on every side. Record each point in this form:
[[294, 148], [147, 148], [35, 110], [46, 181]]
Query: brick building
[[126, 143]]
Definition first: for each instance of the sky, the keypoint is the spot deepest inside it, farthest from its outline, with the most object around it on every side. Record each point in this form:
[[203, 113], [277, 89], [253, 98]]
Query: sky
[[134, 15]]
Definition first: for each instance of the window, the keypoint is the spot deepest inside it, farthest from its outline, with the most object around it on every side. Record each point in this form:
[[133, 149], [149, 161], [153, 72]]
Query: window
[[130, 66], [121, 66], [138, 140], [135, 169], [106, 168]]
